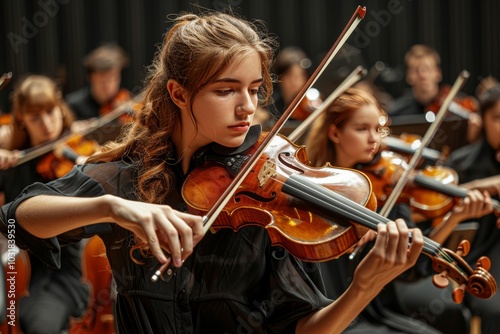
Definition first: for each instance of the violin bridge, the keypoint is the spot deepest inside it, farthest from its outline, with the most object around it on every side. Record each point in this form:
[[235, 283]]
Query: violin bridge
[[267, 171]]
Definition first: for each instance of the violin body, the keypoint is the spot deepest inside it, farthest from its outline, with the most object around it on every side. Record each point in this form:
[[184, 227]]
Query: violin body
[[459, 105], [310, 102], [288, 220], [122, 96], [430, 203], [99, 318], [60, 162], [427, 201]]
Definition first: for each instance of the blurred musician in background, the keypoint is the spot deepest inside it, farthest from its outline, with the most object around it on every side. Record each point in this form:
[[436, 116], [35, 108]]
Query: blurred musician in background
[[348, 135], [423, 75], [40, 116], [103, 92]]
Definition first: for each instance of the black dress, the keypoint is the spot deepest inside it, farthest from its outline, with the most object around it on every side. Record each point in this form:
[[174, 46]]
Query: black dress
[[233, 282]]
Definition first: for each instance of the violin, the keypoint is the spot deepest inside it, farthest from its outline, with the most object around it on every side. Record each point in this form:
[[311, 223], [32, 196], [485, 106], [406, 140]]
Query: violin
[[271, 185], [460, 106], [94, 124], [433, 192], [316, 213], [121, 97], [99, 318], [6, 119], [308, 105], [60, 161]]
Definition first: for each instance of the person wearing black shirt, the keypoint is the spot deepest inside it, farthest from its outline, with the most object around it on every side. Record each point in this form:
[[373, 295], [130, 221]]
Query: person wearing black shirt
[[203, 91]]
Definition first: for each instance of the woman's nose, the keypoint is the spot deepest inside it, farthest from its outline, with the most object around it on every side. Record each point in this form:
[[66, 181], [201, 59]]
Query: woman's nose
[[246, 105]]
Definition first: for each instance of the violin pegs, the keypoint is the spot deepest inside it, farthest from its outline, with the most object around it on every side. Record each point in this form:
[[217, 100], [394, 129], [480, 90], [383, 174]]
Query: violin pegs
[[484, 262], [463, 248], [458, 294], [441, 280]]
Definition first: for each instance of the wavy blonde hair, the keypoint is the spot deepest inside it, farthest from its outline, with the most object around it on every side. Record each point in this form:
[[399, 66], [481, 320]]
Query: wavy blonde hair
[[34, 94], [194, 51], [320, 149]]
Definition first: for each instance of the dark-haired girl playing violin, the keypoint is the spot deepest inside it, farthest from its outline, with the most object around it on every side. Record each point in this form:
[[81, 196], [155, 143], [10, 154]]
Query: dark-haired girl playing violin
[[202, 93], [348, 134], [40, 116]]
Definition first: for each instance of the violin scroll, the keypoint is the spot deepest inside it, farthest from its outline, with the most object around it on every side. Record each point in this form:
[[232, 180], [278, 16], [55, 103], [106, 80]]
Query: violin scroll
[[477, 282]]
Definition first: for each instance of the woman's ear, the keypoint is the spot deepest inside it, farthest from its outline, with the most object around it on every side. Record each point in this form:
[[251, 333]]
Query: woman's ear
[[177, 93], [333, 134]]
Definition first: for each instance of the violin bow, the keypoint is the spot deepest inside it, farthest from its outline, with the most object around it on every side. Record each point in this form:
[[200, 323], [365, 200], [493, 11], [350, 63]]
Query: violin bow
[[356, 75], [403, 180], [214, 212], [32, 153], [5, 79]]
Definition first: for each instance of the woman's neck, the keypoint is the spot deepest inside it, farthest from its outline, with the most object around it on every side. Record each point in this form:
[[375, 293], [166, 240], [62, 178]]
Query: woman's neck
[[186, 146], [344, 163]]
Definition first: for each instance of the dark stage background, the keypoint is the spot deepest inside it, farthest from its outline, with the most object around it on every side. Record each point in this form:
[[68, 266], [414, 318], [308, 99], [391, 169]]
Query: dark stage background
[[51, 36]]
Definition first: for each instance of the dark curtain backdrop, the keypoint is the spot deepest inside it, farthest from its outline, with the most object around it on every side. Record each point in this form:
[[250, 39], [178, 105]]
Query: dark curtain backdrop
[[51, 36]]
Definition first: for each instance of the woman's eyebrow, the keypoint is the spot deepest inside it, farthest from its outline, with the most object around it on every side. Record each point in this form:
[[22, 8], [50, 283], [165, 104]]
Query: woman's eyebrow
[[233, 80]]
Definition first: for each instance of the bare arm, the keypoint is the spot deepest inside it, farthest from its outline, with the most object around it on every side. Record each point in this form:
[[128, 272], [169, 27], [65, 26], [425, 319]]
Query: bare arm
[[490, 184], [159, 225], [389, 257]]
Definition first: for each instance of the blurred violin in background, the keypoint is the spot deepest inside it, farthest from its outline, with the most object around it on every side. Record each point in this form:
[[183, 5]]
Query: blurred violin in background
[[61, 160], [460, 106], [121, 97], [432, 192], [465, 107], [99, 318], [407, 144], [311, 101]]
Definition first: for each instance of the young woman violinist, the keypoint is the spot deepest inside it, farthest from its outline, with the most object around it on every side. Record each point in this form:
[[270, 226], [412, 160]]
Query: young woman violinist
[[202, 93], [40, 115], [349, 135]]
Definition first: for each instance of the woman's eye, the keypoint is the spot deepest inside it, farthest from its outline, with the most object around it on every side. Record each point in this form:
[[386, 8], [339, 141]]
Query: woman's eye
[[224, 91], [254, 91]]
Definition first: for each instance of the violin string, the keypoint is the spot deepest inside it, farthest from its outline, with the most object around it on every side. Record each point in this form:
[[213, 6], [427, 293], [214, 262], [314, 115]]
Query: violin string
[[344, 205], [372, 218]]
